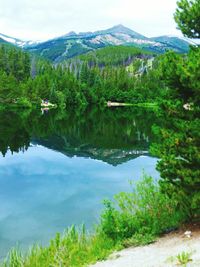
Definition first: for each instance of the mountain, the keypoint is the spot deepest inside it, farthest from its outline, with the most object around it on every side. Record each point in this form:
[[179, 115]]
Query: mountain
[[2, 41], [8, 39], [114, 30], [112, 156], [17, 42], [120, 29], [177, 43], [73, 44]]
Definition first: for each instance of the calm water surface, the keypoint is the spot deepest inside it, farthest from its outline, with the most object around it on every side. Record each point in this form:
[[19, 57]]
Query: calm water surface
[[57, 167]]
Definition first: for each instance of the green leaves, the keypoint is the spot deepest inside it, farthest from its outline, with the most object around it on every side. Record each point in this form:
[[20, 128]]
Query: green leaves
[[178, 147], [181, 75], [141, 214], [187, 17]]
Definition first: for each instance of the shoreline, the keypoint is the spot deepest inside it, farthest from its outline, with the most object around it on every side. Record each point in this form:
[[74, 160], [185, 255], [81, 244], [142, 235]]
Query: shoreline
[[119, 104], [169, 250]]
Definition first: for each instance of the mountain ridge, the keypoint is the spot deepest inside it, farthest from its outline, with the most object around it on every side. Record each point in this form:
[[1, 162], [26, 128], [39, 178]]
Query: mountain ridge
[[72, 44]]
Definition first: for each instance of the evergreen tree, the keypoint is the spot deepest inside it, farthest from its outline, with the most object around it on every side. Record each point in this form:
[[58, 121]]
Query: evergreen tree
[[187, 17]]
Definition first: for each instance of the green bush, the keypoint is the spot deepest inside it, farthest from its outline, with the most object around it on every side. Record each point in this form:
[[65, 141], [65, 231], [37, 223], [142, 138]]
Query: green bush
[[145, 210]]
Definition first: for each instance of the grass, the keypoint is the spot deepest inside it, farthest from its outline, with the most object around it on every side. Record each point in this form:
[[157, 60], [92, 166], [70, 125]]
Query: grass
[[74, 248], [184, 258], [134, 218]]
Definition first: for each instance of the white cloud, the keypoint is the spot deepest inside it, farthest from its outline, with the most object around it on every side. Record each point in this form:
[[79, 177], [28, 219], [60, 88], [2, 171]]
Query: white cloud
[[42, 19]]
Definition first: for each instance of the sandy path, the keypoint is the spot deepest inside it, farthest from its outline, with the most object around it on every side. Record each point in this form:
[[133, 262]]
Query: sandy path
[[158, 254]]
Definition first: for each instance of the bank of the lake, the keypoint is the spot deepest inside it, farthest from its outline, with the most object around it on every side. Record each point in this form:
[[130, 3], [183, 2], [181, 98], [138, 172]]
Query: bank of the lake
[[143, 105], [76, 170], [120, 226], [52, 161], [173, 249]]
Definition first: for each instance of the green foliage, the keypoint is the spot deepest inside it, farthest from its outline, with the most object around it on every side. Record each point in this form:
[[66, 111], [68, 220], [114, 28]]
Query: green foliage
[[14, 69], [73, 248], [179, 140], [187, 17], [178, 148], [113, 55], [14, 62], [113, 73], [178, 145], [144, 211], [24, 102], [184, 258], [140, 238], [87, 80], [181, 259], [181, 75]]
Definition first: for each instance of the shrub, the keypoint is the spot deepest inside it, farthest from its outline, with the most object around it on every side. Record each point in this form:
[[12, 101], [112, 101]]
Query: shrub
[[145, 210], [184, 257]]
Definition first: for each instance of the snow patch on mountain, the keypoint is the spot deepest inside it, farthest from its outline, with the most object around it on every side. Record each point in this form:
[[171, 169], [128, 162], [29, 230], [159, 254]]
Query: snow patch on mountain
[[107, 38], [18, 42], [121, 39], [7, 39]]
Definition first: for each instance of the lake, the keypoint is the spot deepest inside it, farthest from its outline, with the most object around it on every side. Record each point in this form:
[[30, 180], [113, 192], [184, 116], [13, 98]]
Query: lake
[[56, 168]]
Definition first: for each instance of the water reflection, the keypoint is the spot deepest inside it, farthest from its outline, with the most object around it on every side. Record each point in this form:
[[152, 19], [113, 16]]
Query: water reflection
[[56, 168], [114, 136]]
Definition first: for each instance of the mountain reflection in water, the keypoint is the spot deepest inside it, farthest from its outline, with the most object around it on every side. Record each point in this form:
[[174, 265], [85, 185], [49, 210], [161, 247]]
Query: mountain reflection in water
[[111, 135], [57, 167]]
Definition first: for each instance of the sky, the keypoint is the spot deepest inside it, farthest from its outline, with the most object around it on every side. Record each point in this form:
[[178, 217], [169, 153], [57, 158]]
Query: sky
[[45, 19]]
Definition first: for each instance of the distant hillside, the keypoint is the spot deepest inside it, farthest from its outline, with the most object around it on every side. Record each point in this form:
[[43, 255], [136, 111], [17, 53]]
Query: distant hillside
[[73, 44], [113, 55], [2, 41], [174, 42], [15, 41]]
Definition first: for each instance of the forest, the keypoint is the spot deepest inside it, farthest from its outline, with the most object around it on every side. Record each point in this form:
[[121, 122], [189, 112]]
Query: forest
[[90, 79], [128, 75]]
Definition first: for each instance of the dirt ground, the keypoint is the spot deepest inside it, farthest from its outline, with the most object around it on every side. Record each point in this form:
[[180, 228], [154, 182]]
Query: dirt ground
[[162, 253]]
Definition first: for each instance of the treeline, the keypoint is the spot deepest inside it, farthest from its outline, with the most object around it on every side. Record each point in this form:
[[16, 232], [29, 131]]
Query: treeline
[[14, 62], [113, 56], [14, 70], [25, 81], [82, 82], [122, 74]]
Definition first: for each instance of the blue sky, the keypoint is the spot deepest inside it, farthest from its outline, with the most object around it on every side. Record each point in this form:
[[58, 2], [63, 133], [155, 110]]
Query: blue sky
[[44, 19]]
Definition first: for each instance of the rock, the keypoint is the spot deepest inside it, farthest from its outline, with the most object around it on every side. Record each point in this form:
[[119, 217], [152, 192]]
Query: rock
[[114, 256], [188, 234]]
